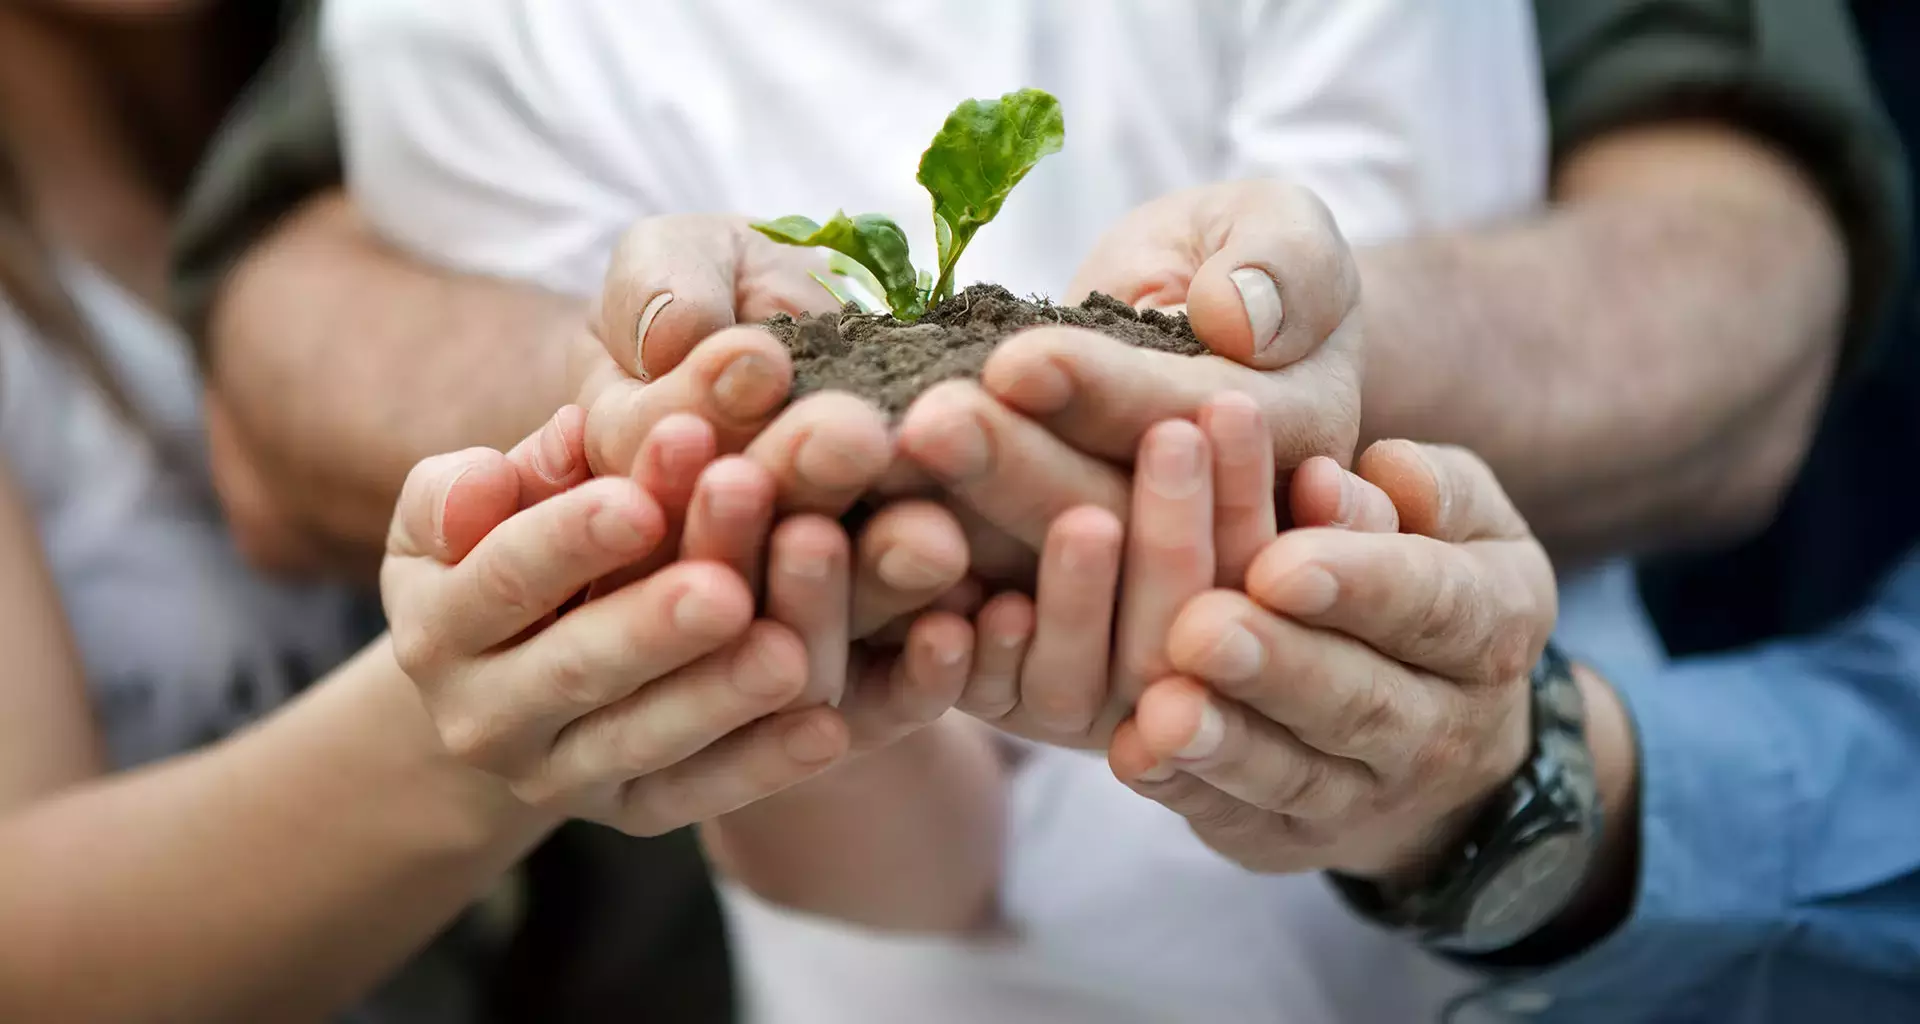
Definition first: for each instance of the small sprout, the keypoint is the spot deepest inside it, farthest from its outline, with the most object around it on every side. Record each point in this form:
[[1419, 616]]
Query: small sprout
[[982, 151]]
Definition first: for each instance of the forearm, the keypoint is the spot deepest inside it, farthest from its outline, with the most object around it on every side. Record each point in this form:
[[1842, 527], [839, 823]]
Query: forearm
[[1642, 365], [906, 838], [278, 876], [338, 364]]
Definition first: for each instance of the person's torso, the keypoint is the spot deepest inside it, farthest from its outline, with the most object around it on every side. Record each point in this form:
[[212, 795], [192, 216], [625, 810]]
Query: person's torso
[[181, 644]]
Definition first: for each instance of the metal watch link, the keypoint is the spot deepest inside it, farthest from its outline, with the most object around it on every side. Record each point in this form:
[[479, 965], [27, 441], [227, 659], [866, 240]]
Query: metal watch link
[[1527, 853]]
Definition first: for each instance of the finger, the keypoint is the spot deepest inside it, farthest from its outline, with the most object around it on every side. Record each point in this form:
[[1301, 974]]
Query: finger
[[1256, 839], [1324, 494], [449, 502], [1460, 613], [1442, 491], [727, 521], [896, 696], [675, 280], [1245, 756], [808, 584], [1281, 281], [1334, 693], [553, 458], [910, 553], [735, 380], [674, 717], [1100, 395], [605, 649], [1009, 469], [530, 565], [1002, 633], [824, 452], [751, 764], [1064, 680], [1169, 550], [1244, 517], [671, 459]]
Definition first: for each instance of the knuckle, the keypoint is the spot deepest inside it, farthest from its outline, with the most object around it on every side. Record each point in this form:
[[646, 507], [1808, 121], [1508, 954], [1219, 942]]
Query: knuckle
[[1305, 790], [417, 648], [502, 585], [570, 677], [1222, 815], [468, 738], [1366, 715]]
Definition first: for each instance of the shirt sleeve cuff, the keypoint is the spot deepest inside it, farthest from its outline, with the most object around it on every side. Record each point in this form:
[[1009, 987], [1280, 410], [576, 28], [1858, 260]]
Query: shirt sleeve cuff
[[1714, 809]]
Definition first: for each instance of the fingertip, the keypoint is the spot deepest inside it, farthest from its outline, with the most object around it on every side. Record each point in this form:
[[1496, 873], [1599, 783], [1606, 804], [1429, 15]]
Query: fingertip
[[1171, 716], [1318, 493], [747, 374], [943, 432], [1129, 757], [1406, 477], [477, 490], [1007, 619], [713, 599], [675, 451], [815, 736], [1024, 373], [844, 445], [1086, 527]]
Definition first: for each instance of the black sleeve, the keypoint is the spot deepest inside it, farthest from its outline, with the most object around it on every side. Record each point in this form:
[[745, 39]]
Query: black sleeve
[[1790, 71], [279, 146]]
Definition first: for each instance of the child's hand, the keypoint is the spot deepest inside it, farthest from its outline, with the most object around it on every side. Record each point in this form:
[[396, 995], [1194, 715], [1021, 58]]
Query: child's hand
[[649, 707], [1354, 705], [1055, 668]]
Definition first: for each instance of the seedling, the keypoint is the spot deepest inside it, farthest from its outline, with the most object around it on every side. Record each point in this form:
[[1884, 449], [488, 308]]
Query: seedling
[[982, 151]]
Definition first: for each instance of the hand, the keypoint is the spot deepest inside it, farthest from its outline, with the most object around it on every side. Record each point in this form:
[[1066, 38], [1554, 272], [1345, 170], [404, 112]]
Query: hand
[[673, 283], [1059, 410], [651, 707], [1053, 668], [1354, 707]]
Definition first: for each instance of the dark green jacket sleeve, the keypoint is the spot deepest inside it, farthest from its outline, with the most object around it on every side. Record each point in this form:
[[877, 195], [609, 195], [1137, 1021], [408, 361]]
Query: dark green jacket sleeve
[[1790, 71], [279, 146]]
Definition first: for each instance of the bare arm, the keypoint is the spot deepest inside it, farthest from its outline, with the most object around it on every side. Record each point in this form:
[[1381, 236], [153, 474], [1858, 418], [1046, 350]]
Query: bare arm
[[335, 364], [1690, 248], [278, 876]]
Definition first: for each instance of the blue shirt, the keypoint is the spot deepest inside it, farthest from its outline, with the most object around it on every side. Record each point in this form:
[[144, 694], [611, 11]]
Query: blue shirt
[[1780, 837]]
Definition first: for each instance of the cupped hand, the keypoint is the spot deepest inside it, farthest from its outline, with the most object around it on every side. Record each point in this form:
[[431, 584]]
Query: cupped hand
[[1357, 702]]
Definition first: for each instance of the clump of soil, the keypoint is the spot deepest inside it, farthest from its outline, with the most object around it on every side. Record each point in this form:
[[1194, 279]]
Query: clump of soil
[[890, 363]]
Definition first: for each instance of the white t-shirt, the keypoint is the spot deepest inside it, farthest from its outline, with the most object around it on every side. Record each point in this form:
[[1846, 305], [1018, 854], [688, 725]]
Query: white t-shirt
[[181, 642], [519, 138]]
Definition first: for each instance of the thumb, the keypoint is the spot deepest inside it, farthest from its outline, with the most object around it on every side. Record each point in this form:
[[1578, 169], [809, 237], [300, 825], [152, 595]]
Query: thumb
[[675, 280], [1280, 281]]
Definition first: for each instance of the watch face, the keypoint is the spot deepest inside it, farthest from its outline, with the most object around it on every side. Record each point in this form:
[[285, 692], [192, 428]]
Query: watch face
[[1528, 891]]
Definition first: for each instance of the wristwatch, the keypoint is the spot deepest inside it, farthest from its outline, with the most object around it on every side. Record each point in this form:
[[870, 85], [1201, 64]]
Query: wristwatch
[[1526, 854]]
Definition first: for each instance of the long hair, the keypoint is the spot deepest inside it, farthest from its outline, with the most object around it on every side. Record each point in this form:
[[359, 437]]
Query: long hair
[[30, 282]]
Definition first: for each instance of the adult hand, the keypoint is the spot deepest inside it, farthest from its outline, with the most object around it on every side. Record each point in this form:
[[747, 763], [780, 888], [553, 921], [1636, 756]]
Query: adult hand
[[675, 290], [1356, 704], [1270, 287]]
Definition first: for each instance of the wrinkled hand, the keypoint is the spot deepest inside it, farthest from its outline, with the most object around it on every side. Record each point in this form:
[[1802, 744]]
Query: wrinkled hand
[[1355, 705], [1270, 287], [658, 702]]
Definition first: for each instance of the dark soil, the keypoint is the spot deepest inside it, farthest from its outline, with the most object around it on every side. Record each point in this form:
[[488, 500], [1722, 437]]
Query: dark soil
[[890, 363]]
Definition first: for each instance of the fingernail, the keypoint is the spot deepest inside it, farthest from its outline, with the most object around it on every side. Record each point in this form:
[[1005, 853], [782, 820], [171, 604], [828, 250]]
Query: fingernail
[[1261, 296], [949, 655], [658, 303], [811, 742], [550, 456], [759, 670], [1043, 389], [1173, 464], [1157, 773], [440, 510], [902, 569], [1206, 736], [1234, 426], [616, 528], [694, 611], [1234, 658], [828, 466], [808, 565], [963, 449], [732, 500], [748, 388], [1349, 498], [1308, 591]]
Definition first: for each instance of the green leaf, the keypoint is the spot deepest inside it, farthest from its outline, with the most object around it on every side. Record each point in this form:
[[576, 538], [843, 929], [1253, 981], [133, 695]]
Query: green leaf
[[841, 265], [871, 240], [942, 236], [983, 151], [843, 298]]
